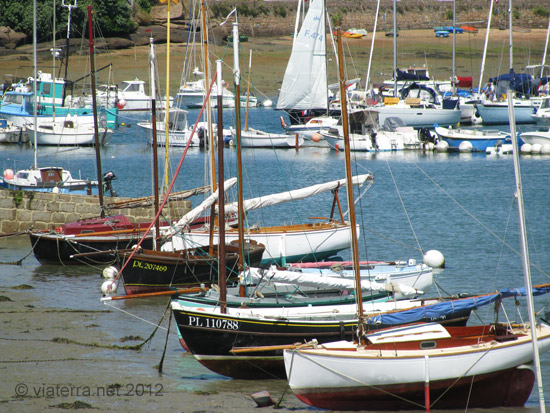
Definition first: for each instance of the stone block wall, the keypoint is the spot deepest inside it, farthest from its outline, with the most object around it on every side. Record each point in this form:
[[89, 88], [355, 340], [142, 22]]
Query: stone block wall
[[22, 210]]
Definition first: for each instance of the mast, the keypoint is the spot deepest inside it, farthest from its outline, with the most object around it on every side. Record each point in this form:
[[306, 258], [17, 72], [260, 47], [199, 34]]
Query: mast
[[453, 76], [525, 250], [545, 49], [237, 83], [210, 133], [54, 52], [167, 108], [367, 80], [35, 83], [221, 194], [67, 45], [349, 186], [94, 105], [297, 20], [152, 74], [485, 46], [394, 49], [247, 91], [511, 46], [206, 87]]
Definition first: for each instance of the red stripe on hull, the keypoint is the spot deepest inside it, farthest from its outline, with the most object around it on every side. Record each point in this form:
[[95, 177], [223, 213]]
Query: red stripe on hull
[[506, 388]]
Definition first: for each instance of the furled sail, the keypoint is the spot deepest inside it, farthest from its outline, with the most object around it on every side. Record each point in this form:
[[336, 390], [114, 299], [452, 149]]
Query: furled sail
[[305, 81], [257, 275], [297, 194], [198, 210]]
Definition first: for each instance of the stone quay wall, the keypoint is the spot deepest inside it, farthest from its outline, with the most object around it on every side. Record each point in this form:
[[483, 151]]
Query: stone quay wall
[[22, 210]]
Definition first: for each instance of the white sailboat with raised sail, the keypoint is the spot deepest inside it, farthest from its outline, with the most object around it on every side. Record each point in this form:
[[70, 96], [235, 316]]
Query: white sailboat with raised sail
[[304, 91]]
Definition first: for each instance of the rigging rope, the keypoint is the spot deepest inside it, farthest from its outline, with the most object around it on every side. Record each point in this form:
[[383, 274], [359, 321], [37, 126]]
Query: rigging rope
[[477, 220], [404, 208]]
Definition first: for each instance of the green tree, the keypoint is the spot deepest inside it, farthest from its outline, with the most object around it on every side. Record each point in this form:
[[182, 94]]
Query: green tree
[[114, 17]]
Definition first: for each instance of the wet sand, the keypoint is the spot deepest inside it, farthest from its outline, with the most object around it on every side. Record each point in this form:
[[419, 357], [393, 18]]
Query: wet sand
[[57, 357]]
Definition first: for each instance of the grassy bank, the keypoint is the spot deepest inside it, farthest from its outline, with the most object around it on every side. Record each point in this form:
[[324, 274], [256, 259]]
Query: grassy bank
[[270, 56]]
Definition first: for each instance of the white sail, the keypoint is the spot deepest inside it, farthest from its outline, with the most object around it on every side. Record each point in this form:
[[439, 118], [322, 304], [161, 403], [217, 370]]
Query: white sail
[[305, 81], [198, 210], [274, 199], [257, 275]]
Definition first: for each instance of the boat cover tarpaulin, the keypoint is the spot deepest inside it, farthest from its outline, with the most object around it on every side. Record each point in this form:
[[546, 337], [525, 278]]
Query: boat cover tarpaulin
[[519, 82], [434, 311], [464, 81], [402, 75]]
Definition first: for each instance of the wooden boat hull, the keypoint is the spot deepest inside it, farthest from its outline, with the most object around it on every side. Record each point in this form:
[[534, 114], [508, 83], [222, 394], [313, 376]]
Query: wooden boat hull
[[211, 337], [284, 244], [150, 271], [474, 367], [510, 388], [88, 236], [53, 248]]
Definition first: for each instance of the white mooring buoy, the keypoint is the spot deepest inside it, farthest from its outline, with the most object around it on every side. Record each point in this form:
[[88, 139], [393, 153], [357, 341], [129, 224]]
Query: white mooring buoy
[[110, 272], [109, 287], [442, 146], [434, 259]]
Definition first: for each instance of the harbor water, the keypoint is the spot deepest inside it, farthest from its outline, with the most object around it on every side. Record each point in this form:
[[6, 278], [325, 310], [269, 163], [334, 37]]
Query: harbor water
[[64, 348]]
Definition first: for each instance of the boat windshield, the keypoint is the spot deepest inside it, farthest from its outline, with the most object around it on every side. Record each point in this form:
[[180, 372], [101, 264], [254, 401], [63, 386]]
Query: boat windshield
[[13, 99]]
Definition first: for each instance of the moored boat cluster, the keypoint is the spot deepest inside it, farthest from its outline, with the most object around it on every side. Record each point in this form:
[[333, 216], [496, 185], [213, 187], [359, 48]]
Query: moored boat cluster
[[279, 301]]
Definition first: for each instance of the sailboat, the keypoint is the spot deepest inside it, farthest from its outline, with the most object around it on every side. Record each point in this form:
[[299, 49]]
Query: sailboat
[[304, 91], [425, 365], [211, 325], [129, 96], [284, 243], [73, 130], [369, 136], [417, 105], [145, 271], [93, 240]]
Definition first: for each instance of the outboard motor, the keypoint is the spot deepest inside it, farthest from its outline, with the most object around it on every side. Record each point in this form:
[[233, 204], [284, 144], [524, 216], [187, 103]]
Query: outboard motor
[[425, 136], [107, 185], [203, 142], [373, 139]]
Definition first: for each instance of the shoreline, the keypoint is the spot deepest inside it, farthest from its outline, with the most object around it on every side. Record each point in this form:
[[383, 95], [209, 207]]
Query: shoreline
[[270, 56]]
